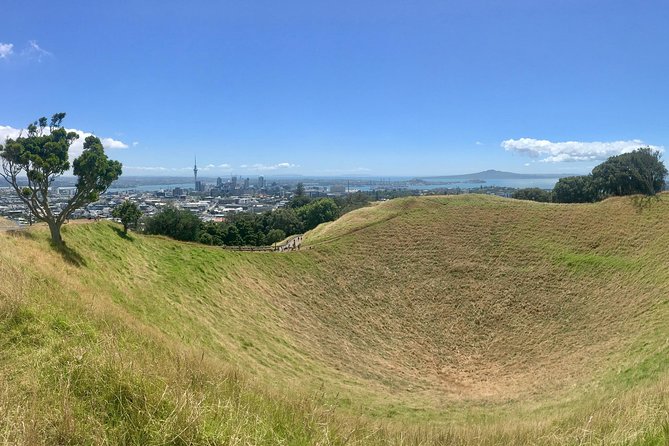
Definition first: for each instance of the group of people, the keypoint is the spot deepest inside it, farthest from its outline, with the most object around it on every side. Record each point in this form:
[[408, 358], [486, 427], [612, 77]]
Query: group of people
[[292, 245]]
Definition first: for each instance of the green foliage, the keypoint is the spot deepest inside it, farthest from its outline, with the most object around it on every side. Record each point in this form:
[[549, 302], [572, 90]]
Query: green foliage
[[638, 172], [128, 212], [532, 194], [580, 189], [318, 212], [300, 198], [175, 223], [284, 219], [298, 201], [211, 233], [299, 190], [42, 155], [274, 236]]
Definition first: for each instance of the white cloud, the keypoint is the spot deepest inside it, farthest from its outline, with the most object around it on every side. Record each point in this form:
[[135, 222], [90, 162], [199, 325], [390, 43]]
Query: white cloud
[[259, 166], [135, 143], [110, 143], [6, 49], [479, 143], [35, 52], [77, 146], [558, 152]]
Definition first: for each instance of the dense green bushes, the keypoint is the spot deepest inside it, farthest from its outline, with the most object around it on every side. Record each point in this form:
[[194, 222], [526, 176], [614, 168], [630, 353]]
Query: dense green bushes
[[175, 223], [638, 172], [533, 194], [246, 229], [581, 189], [243, 228]]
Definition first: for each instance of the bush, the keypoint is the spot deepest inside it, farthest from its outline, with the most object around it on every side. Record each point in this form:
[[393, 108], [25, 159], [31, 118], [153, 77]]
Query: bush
[[175, 223], [318, 212], [638, 172], [274, 236], [580, 189], [533, 194]]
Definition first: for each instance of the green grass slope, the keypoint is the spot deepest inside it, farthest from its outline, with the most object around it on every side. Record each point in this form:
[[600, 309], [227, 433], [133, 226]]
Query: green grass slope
[[434, 320]]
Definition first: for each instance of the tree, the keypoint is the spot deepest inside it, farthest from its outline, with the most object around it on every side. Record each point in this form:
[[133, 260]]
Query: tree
[[533, 194], [318, 212], [284, 219], [579, 189], [300, 198], [175, 223], [42, 156], [211, 233], [637, 172], [299, 190], [274, 235], [128, 212]]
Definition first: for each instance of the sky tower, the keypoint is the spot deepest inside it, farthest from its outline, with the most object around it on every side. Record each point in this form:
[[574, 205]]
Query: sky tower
[[195, 172]]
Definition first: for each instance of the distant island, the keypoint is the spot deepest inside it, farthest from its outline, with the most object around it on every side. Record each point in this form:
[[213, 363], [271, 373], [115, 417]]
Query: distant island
[[492, 174]]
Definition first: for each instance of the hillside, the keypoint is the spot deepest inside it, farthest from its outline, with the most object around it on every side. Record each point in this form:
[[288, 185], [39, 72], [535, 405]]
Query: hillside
[[465, 319], [6, 224]]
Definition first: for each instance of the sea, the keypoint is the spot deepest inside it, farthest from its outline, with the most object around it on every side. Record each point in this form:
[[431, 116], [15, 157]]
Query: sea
[[438, 183]]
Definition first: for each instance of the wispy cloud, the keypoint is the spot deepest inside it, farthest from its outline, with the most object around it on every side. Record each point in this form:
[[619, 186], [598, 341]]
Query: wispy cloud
[[77, 146], [6, 50], [479, 143], [35, 52], [353, 170], [212, 168], [32, 51], [557, 152], [263, 167], [135, 143], [157, 168]]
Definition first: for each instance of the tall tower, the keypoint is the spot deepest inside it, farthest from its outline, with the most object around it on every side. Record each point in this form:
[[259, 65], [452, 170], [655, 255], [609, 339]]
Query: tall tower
[[195, 172]]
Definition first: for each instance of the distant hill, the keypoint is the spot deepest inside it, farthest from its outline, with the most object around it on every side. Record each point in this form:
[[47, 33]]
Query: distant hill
[[499, 175]]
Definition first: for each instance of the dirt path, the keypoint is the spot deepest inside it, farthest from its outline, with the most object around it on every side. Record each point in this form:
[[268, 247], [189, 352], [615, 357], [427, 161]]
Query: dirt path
[[292, 244]]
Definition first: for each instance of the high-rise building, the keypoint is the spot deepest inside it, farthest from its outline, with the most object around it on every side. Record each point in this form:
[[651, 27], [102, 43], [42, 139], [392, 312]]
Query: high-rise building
[[261, 182], [195, 172], [233, 180], [219, 182], [247, 183]]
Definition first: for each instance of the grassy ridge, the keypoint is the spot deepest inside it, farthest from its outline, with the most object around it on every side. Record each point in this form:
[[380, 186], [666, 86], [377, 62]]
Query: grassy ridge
[[468, 320]]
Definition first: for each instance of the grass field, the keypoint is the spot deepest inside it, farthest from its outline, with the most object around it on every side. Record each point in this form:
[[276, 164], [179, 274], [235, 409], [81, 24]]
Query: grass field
[[433, 320]]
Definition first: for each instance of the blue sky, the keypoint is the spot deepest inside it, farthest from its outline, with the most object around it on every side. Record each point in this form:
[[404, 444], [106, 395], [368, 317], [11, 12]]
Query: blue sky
[[341, 88]]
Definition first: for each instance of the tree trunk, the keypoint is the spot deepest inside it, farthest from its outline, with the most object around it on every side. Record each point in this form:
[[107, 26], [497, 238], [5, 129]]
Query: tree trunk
[[56, 238]]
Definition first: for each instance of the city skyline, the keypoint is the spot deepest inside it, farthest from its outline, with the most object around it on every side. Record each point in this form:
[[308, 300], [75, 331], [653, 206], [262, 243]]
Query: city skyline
[[354, 89]]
